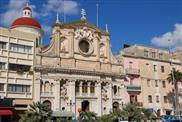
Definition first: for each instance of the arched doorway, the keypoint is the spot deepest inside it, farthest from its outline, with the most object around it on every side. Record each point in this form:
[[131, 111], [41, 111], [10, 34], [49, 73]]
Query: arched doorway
[[47, 103], [85, 105], [115, 106]]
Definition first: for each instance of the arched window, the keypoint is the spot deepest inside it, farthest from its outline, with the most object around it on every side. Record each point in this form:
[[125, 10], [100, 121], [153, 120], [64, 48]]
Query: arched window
[[115, 89], [51, 87], [92, 87], [37, 42], [84, 87], [47, 103], [77, 87], [47, 86]]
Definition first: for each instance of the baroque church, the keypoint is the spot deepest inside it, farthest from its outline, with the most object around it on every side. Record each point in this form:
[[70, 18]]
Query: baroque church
[[77, 70]]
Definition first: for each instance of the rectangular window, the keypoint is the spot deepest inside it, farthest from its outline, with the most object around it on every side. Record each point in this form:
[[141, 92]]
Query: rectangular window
[[146, 53], [162, 69], [165, 99], [2, 45], [2, 66], [1, 87], [18, 88], [148, 83], [157, 99], [18, 67], [160, 56], [156, 83], [20, 48], [150, 99], [155, 68], [153, 55], [163, 84]]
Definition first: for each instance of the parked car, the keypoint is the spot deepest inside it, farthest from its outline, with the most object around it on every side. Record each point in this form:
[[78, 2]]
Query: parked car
[[167, 118], [122, 119], [171, 118]]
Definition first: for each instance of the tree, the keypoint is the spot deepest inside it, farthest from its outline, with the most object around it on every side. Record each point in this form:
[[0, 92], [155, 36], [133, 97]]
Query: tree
[[87, 116], [175, 77], [37, 112]]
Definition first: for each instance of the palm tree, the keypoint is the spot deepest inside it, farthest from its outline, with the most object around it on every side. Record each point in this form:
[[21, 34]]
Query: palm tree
[[87, 116], [37, 112], [175, 77]]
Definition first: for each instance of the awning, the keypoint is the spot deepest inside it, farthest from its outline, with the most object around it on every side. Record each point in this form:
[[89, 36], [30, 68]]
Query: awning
[[6, 112]]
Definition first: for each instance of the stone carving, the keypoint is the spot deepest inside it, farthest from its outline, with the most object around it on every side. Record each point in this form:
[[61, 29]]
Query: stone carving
[[82, 33], [64, 92], [104, 94]]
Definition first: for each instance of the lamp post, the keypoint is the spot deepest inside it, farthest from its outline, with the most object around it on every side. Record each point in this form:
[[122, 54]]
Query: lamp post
[[70, 103]]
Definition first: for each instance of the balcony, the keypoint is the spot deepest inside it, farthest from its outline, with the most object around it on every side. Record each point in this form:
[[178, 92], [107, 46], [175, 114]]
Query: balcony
[[134, 88], [139, 104], [132, 71]]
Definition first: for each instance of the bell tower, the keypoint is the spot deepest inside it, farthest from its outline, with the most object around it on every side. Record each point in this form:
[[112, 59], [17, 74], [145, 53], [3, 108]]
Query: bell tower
[[27, 11]]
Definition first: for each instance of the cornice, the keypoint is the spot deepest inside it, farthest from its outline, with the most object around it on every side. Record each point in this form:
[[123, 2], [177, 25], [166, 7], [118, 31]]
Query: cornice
[[48, 69]]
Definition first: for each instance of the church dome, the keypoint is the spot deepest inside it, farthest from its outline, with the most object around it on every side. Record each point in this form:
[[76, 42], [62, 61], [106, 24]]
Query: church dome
[[26, 21]]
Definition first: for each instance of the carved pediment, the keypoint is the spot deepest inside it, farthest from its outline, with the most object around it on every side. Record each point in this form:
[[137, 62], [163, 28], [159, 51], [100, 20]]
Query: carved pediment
[[84, 23]]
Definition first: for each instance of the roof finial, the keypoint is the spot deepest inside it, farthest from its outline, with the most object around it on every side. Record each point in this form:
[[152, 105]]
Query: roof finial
[[107, 28], [57, 18], [27, 5], [83, 14]]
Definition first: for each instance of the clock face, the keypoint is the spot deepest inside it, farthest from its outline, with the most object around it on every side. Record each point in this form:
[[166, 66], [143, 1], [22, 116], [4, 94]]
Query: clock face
[[84, 37]]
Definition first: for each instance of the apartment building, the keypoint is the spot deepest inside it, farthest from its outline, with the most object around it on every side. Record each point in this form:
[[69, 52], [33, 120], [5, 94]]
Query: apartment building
[[151, 66], [16, 66], [17, 53]]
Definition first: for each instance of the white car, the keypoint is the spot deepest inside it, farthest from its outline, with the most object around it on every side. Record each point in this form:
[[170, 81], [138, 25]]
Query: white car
[[122, 119]]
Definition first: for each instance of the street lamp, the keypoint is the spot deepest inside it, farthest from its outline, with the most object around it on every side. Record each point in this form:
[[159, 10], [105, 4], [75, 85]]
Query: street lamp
[[70, 103]]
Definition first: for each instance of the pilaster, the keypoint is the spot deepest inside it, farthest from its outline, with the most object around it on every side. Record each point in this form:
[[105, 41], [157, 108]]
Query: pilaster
[[99, 100]]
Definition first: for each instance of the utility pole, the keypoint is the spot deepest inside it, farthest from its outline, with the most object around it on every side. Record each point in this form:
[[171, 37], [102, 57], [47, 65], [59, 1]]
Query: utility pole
[[97, 15]]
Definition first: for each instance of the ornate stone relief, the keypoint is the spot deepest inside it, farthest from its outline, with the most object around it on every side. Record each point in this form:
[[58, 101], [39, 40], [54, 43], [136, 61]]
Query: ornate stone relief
[[85, 39], [104, 94], [64, 92]]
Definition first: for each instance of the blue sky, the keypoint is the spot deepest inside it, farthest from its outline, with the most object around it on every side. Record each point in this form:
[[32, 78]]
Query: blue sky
[[148, 22]]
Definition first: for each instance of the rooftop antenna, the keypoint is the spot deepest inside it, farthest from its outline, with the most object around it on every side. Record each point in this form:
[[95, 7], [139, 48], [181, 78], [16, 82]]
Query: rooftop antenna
[[64, 14], [97, 15]]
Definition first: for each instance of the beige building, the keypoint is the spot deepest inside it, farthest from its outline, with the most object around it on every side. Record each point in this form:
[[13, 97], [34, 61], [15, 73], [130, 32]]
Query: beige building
[[17, 53], [154, 65], [77, 70], [16, 66]]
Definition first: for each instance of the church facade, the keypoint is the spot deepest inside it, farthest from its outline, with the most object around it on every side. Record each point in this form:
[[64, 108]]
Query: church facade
[[77, 70]]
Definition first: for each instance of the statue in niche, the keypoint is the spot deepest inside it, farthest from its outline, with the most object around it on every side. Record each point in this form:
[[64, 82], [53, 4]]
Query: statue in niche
[[64, 92], [104, 94], [102, 54]]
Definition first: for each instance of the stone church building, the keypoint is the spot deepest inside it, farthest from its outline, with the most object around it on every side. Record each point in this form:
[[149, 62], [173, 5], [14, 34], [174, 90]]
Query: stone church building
[[77, 70]]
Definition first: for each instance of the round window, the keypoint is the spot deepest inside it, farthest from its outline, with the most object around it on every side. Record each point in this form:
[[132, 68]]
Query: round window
[[84, 46]]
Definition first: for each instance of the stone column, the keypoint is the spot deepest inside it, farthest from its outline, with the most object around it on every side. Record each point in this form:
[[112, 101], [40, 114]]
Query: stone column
[[88, 89], [36, 89], [56, 93], [71, 95], [80, 92], [110, 96], [99, 98]]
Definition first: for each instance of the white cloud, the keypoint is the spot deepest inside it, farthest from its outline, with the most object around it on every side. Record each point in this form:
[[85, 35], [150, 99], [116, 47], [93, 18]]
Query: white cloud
[[68, 7], [14, 11], [175, 38]]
